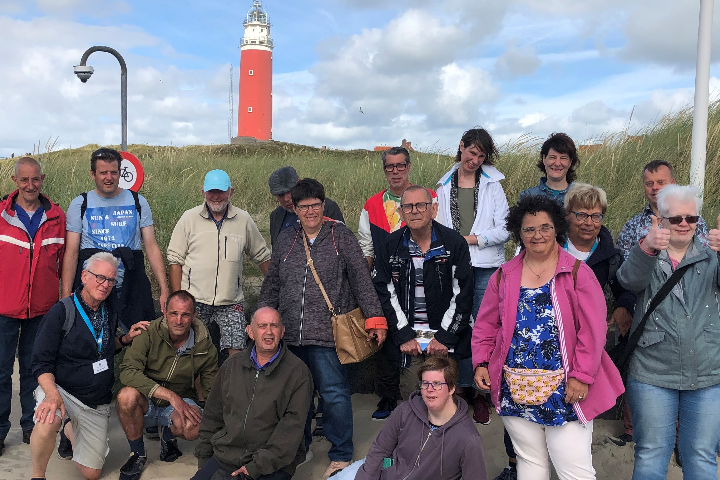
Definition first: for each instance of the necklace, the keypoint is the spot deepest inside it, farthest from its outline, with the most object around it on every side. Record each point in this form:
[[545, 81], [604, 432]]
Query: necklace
[[543, 271]]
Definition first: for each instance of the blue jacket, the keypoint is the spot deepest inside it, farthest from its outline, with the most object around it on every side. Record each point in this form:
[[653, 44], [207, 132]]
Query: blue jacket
[[680, 346]]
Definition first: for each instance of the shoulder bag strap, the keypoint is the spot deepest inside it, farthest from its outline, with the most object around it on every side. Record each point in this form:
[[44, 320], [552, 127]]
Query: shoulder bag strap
[[657, 299], [315, 274]]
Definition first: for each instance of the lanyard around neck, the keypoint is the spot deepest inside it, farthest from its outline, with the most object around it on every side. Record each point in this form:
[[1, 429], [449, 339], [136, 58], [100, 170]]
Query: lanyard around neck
[[98, 338]]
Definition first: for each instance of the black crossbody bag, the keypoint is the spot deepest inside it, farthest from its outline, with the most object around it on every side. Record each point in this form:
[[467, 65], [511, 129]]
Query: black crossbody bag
[[623, 351]]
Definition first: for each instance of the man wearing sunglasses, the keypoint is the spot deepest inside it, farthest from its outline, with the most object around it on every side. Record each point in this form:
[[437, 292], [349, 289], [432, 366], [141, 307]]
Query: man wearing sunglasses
[[425, 284], [379, 218], [656, 175]]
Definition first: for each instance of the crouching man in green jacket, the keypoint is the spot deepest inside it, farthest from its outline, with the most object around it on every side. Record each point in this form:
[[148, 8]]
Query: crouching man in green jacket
[[159, 372], [255, 415]]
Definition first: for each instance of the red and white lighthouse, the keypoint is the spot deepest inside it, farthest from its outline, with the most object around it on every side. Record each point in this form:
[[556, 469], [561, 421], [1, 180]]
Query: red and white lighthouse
[[255, 102]]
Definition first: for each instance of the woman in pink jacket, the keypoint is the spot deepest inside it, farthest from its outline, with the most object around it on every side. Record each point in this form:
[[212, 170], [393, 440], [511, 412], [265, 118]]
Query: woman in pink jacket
[[538, 346]]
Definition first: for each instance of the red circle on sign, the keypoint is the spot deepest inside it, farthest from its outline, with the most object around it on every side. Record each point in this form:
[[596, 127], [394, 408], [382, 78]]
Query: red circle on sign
[[131, 176]]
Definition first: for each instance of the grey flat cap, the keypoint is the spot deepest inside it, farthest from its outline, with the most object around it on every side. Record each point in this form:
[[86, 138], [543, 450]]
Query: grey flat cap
[[282, 180]]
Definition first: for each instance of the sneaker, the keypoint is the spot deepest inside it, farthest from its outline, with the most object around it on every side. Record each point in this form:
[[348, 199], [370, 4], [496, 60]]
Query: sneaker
[[481, 412], [621, 440], [169, 451], [508, 473], [152, 433], [384, 408], [133, 467], [26, 436], [65, 450], [334, 468]]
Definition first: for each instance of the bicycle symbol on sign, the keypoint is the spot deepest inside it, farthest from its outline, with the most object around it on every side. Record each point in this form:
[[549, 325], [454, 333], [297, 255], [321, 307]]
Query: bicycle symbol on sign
[[126, 175]]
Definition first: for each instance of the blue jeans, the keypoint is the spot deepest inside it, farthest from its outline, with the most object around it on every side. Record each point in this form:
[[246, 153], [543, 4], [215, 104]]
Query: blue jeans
[[331, 382], [17, 336], [655, 413], [482, 276]]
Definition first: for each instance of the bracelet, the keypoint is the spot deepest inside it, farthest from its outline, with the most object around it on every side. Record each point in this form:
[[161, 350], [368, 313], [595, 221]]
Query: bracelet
[[123, 343], [483, 364]]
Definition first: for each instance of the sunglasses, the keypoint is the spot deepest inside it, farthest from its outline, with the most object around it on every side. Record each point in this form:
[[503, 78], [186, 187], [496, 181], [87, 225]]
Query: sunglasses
[[678, 219]]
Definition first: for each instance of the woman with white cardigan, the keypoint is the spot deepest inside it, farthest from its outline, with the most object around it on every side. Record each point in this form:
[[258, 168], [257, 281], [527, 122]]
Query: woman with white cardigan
[[472, 202]]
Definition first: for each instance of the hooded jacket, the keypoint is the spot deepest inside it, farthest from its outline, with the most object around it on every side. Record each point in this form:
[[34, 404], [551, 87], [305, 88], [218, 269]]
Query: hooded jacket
[[451, 451], [448, 283], [489, 226], [255, 418], [680, 346], [580, 315], [151, 361], [290, 288], [30, 267]]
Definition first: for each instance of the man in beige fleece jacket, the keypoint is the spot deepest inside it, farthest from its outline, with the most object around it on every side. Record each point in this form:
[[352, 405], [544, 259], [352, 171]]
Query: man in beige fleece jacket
[[206, 258]]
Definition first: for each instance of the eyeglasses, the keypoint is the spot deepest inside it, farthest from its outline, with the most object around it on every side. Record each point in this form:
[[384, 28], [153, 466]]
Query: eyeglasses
[[420, 206], [678, 219], [304, 208], [435, 385], [582, 216], [100, 279], [544, 230], [401, 167]]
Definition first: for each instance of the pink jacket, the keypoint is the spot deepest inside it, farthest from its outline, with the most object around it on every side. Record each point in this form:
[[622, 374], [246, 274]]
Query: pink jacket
[[580, 313]]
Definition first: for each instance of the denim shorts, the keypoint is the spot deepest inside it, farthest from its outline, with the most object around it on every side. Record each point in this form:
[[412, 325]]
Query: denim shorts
[[160, 416]]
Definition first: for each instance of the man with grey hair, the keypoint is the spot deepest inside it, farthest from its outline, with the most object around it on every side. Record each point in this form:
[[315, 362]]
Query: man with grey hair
[[280, 183], [260, 399], [32, 238], [73, 363], [206, 259], [379, 218]]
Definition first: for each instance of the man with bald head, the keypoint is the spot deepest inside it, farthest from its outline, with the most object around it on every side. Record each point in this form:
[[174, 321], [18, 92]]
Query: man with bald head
[[424, 256], [261, 398], [32, 233]]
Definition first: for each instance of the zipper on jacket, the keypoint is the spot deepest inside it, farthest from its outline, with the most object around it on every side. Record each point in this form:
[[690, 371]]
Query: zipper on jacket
[[217, 268], [225, 247], [247, 412], [417, 460], [189, 273], [32, 251], [437, 269], [302, 304]]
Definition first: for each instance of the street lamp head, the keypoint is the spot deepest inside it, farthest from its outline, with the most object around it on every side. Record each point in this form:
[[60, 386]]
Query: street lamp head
[[83, 72]]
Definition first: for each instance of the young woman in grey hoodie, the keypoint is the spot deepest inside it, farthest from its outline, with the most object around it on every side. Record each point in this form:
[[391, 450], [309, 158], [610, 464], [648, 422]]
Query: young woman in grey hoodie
[[429, 436]]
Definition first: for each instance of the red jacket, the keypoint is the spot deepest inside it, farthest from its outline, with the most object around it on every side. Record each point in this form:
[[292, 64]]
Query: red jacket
[[30, 268]]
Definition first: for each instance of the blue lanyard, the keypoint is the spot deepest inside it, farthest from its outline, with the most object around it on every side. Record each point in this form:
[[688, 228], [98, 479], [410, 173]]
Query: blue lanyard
[[98, 339], [591, 250]]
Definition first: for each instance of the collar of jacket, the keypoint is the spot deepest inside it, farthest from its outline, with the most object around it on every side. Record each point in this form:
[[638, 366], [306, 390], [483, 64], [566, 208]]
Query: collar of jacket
[[248, 363], [231, 213], [201, 332], [696, 252], [437, 245], [605, 249], [326, 229], [489, 174], [44, 201], [543, 186]]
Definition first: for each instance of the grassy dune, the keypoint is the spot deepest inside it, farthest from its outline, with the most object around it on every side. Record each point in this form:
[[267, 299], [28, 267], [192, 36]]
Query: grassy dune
[[174, 175]]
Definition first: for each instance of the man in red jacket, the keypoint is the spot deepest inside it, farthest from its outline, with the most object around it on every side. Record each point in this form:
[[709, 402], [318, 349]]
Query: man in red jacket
[[32, 233]]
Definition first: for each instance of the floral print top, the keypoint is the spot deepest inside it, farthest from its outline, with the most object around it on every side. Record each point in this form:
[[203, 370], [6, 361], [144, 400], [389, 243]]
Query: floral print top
[[535, 344]]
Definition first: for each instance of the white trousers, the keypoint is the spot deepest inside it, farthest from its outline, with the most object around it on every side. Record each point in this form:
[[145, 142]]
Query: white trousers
[[568, 447]]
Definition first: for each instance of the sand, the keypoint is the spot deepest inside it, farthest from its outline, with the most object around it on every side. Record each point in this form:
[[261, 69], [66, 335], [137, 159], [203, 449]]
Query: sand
[[611, 462]]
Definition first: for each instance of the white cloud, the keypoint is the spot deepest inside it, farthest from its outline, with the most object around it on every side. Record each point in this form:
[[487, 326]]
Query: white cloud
[[517, 61]]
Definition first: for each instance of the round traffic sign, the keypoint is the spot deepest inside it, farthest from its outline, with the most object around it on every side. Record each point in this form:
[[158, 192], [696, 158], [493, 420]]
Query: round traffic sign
[[132, 174]]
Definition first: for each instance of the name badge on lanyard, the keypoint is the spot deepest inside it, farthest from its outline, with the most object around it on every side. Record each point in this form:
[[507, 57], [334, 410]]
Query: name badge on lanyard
[[101, 365]]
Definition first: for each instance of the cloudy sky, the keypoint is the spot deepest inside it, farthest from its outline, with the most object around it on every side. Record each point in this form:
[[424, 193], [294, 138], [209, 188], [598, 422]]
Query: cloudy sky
[[422, 70]]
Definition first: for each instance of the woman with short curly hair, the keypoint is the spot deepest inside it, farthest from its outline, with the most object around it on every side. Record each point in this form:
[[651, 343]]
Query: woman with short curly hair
[[538, 346]]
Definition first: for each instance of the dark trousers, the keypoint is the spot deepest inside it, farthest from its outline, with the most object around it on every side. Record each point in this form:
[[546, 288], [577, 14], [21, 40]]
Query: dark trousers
[[387, 383], [17, 336], [213, 471]]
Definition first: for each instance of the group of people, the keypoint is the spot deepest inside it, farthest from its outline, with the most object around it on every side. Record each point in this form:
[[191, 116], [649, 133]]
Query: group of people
[[454, 320]]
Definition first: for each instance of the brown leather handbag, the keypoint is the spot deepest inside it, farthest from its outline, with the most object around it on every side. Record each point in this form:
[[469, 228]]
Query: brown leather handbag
[[352, 342]]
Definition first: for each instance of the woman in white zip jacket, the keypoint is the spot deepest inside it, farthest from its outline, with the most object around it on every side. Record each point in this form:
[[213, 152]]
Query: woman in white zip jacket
[[472, 202]]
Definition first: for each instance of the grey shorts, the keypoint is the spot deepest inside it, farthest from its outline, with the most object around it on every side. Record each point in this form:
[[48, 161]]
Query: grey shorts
[[90, 426], [230, 319], [160, 416]]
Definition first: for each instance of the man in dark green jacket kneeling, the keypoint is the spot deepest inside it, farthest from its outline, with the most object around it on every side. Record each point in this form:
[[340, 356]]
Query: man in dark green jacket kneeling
[[159, 372], [253, 422]]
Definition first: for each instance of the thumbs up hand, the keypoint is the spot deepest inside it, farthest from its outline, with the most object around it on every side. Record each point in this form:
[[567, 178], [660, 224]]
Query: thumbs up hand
[[659, 237], [714, 237]]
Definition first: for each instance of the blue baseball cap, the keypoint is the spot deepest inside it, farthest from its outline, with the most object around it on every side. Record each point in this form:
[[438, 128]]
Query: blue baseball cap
[[217, 180]]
